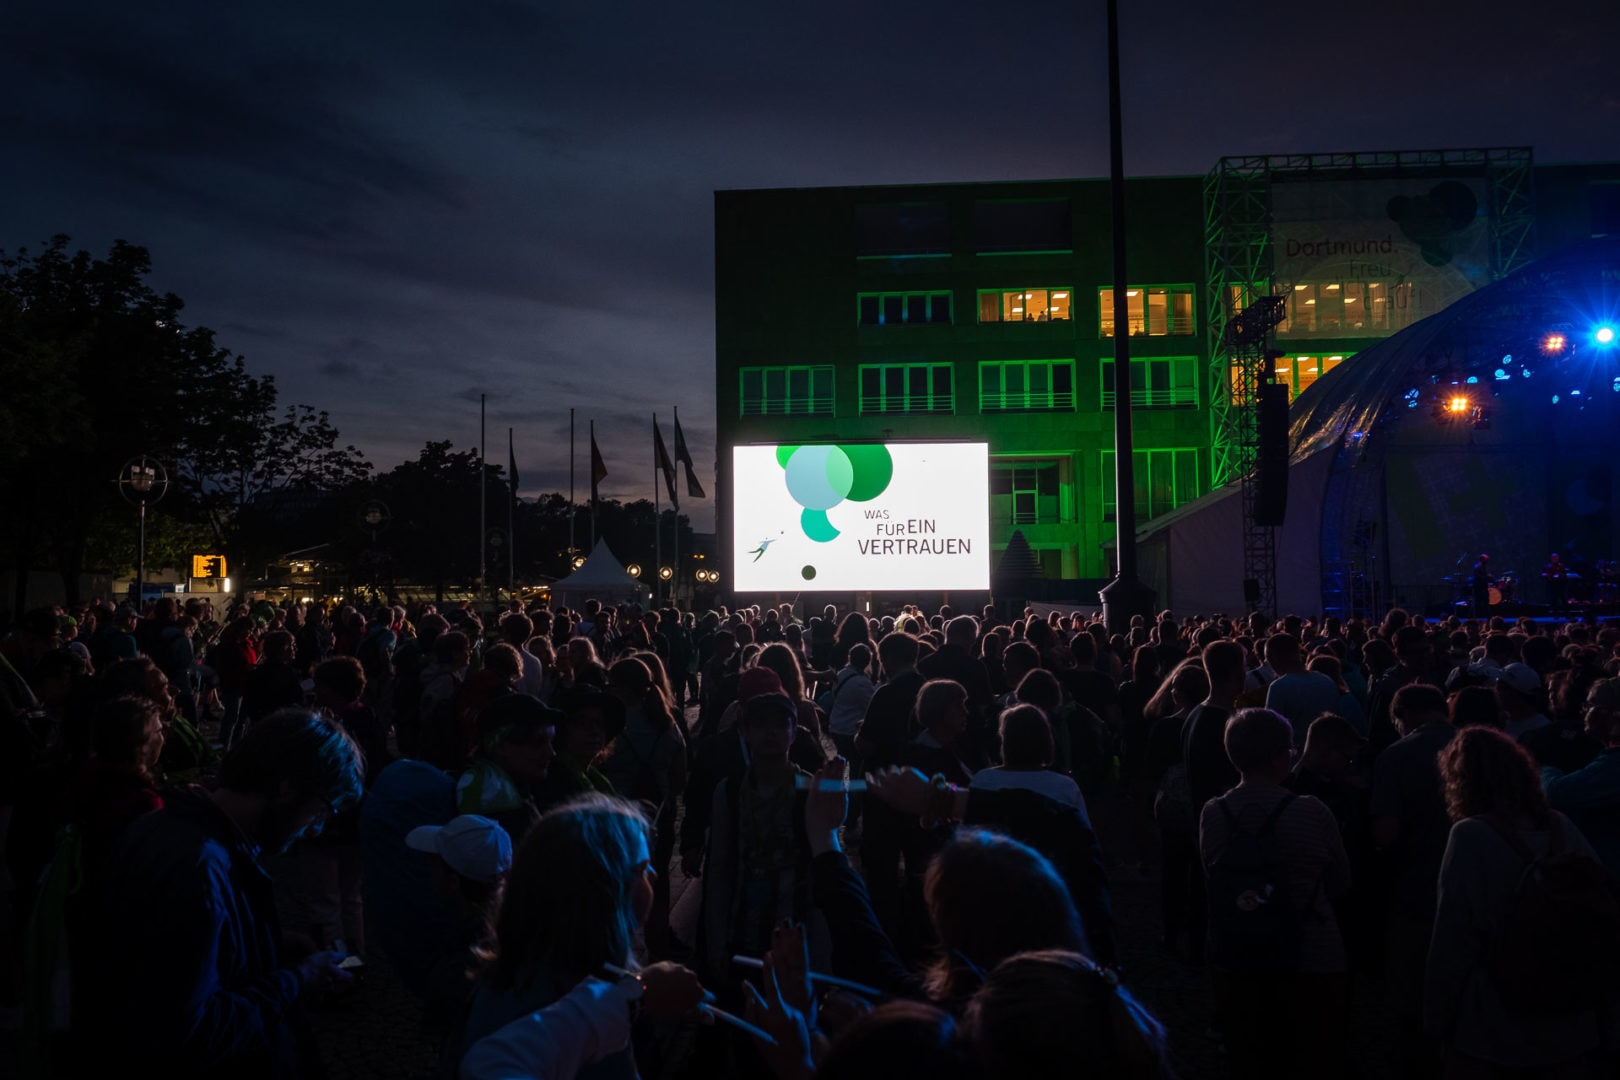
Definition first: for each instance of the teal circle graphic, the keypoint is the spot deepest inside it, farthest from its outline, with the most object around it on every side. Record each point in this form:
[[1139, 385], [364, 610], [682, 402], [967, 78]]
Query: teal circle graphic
[[808, 573], [817, 527]]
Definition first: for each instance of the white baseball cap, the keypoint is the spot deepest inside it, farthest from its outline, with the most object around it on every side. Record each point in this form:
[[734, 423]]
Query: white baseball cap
[[474, 847]]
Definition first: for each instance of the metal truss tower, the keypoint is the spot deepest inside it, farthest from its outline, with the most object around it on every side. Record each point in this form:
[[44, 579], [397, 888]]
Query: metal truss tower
[[1246, 338]]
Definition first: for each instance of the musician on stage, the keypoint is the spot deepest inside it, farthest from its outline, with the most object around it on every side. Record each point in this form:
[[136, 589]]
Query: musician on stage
[[1482, 585], [1556, 575]]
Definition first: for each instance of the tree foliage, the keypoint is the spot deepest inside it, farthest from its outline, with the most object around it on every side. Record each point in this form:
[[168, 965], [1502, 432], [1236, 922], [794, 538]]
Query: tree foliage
[[98, 368]]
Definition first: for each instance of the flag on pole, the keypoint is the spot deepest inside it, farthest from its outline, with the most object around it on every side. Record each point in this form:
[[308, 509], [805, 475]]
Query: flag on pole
[[684, 456], [663, 464], [598, 467], [511, 466]]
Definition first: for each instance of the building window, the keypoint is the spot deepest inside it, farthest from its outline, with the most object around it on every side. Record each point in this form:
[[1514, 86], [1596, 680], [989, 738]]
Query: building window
[[1154, 311], [1026, 386], [1018, 226], [787, 391], [903, 308], [906, 388], [1295, 372], [1164, 480], [1169, 382], [1350, 309], [1025, 493], [901, 230], [1055, 304]]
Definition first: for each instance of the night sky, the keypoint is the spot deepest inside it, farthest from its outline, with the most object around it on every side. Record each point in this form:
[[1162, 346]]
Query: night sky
[[394, 207]]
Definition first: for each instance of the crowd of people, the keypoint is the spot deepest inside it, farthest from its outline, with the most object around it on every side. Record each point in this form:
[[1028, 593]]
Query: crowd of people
[[902, 832]]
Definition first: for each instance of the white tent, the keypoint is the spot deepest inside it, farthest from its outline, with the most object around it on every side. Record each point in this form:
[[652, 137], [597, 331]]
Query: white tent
[[1192, 557], [602, 577]]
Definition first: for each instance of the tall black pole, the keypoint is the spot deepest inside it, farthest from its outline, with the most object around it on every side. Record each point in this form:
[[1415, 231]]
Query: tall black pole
[[511, 520], [140, 566], [483, 492], [571, 514], [1125, 595]]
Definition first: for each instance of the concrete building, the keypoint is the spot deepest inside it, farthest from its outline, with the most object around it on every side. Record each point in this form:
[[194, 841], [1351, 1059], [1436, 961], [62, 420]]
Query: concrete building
[[984, 311]]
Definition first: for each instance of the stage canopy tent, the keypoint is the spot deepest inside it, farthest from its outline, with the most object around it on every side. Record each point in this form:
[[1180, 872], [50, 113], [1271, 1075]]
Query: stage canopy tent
[[1489, 427]]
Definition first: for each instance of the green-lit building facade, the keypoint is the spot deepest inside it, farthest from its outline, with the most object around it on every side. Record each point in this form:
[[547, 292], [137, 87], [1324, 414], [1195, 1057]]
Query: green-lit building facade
[[983, 311]]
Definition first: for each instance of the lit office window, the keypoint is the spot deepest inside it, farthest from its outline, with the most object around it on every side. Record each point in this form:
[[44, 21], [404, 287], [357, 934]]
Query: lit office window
[[1163, 480], [1295, 372], [1168, 382], [906, 388], [1025, 493], [786, 391], [903, 308], [1053, 304], [1153, 311], [1350, 309], [1026, 386]]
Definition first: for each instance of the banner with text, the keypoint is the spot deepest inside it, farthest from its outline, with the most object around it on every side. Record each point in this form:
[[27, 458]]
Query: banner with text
[[861, 517], [1364, 258]]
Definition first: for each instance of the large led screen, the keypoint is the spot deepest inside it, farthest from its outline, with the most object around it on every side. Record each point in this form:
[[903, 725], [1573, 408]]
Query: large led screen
[[861, 517]]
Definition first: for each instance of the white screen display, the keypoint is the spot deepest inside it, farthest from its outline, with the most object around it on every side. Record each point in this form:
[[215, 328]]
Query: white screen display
[[861, 517]]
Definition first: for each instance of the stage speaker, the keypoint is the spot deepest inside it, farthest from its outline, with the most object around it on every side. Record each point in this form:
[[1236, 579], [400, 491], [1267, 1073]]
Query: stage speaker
[[1271, 461]]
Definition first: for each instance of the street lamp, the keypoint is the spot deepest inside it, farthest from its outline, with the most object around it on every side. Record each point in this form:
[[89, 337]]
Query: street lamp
[[142, 480]]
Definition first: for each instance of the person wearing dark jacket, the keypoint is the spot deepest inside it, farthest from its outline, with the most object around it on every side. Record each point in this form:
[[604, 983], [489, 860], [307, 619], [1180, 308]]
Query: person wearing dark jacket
[[194, 973], [275, 682], [989, 897]]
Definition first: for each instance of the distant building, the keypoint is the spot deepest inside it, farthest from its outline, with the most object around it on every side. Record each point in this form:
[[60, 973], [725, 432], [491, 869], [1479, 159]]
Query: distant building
[[984, 311]]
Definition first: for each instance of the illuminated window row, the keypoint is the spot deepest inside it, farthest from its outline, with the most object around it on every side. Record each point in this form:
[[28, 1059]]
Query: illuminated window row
[[1295, 372], [1350, 308], [1154, 311], [903, 309], [1169, 382], [906, 388], [786, 391], [1004, 386], [1162, 480]]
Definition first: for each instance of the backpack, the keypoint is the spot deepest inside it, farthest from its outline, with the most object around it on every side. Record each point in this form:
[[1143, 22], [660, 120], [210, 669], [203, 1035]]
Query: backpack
[[1560, 945], [1252, 925]]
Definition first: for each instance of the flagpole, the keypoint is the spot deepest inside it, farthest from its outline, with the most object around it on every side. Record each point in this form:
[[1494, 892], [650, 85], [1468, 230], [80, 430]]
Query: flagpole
[[571, 514], [511, 520], [483, 492], [658, 524], [593, 485]]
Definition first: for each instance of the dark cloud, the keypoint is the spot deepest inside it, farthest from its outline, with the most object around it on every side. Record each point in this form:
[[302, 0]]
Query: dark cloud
[[394, 211]]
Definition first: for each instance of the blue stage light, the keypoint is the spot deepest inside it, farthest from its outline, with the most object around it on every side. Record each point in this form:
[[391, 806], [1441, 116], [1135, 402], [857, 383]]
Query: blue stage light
[[1502, 375], [1603, 335], [1472, 379], [1555, 399]]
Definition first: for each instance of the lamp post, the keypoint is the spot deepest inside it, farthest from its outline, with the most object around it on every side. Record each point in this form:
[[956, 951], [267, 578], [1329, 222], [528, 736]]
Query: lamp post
[[1125, 595], [142, 480]]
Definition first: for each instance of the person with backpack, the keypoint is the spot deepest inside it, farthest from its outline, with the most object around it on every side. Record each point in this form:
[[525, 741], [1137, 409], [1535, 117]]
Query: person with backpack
[[1273, 863], [1520, 976]]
